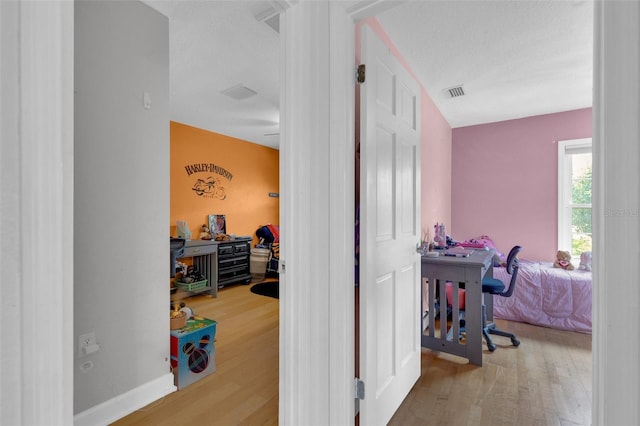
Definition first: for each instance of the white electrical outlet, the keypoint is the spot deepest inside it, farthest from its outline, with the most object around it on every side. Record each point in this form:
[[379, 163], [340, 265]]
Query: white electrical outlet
[[85, 343]]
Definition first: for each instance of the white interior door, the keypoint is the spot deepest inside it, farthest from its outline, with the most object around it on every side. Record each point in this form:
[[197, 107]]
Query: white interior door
[[390, 230]]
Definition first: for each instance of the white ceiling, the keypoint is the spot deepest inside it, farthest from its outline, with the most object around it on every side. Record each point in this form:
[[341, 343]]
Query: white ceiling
[[513, 58]]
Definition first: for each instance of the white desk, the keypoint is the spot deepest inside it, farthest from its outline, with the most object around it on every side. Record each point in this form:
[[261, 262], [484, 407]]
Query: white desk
[[456, 270]]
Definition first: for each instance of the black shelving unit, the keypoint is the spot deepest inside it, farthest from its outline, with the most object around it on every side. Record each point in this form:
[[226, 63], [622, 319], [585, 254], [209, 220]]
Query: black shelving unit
[[234, 261]]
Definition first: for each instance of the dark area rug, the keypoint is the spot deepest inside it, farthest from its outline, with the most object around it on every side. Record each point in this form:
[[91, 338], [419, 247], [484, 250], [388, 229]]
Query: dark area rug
[[268, 288]]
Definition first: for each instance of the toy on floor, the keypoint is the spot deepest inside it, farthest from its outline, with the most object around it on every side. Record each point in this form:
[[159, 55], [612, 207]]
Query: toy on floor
[[563, 260]]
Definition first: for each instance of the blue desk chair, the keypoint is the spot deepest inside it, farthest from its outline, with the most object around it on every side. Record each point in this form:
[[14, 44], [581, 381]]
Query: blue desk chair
[[496, 287]]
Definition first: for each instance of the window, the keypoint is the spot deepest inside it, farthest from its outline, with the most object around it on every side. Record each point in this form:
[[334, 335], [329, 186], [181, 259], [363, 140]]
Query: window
[[574, 196]]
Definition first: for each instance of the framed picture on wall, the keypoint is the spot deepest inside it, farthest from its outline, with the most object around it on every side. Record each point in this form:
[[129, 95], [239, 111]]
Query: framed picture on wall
[[217, 224]]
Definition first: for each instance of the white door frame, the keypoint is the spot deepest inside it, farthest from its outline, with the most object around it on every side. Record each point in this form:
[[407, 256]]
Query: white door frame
[[316, 208], [317, 175], [616, 222], [45, 393], [36, 212]]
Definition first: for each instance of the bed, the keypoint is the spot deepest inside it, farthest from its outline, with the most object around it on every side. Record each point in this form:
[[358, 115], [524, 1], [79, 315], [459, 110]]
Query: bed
[[546, 296]]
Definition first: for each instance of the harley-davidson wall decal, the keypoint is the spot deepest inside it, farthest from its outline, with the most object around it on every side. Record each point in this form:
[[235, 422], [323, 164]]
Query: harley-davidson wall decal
[[211, 185]]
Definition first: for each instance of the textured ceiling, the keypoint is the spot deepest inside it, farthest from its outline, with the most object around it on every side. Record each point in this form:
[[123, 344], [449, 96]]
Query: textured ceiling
[[513, 58], [216, 45]]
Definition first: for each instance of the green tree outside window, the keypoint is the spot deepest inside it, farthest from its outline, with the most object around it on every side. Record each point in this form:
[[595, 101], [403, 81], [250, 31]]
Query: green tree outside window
[[581, 216]]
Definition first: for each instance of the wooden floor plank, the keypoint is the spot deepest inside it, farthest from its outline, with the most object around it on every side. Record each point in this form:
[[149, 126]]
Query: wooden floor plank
[[545, 381], [244, 387]]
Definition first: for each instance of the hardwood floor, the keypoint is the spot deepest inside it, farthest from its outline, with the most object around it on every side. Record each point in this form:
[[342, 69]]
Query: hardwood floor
[[244, 388], [545, 381]]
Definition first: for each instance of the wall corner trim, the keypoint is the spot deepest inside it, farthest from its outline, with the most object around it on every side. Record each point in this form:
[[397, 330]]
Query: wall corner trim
[[126, 403]]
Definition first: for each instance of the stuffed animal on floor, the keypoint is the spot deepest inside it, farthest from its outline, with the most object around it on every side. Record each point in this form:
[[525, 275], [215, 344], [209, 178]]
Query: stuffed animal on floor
[[585, 261], [563, 260]]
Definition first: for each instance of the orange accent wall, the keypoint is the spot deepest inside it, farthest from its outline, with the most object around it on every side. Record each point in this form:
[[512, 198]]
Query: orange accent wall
[[253, 170]]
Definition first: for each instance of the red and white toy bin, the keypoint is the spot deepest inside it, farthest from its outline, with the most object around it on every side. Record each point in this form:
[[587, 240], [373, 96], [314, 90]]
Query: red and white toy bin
[[193, 353]]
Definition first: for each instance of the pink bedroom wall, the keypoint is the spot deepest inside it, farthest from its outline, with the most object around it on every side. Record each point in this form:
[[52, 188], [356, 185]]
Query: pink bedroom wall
[[435, 138], [504, 181], [436, 166]]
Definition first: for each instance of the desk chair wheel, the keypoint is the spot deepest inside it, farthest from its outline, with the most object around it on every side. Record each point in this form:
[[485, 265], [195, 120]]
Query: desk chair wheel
[[491, 346], [515, 342]]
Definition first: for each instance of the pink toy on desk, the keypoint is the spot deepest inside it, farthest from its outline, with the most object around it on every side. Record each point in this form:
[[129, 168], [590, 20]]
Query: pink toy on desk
[[473, 244], [439, 235], [488, 242], [485, 242]]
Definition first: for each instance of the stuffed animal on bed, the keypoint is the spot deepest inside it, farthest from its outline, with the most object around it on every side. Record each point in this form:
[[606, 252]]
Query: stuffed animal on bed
[[585, 261], [563, 260]]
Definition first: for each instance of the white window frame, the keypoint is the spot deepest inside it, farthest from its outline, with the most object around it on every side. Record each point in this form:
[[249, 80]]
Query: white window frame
[[565, 149]]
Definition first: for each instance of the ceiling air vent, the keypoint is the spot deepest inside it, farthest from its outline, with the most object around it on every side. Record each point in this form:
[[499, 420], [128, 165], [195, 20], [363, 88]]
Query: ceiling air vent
[[239, 92], [455, 91]]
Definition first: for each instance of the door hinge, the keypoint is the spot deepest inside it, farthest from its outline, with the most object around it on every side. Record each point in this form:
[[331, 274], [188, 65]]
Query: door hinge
[[359, 388], [361, 73]]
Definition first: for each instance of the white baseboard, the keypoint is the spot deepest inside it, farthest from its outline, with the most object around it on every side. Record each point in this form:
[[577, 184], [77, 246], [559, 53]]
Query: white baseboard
[[125, 404]]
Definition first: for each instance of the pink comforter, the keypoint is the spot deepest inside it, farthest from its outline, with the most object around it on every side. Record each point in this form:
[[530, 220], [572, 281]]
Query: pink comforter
[[547, 296]]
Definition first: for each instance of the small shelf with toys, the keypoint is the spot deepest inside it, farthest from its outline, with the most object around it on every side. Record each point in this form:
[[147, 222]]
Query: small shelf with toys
[[202, 275], [214, 264]]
